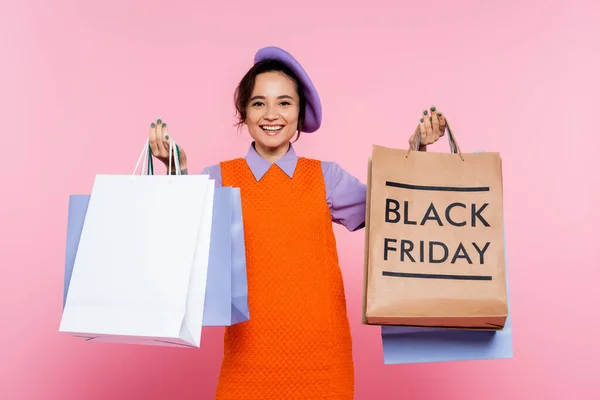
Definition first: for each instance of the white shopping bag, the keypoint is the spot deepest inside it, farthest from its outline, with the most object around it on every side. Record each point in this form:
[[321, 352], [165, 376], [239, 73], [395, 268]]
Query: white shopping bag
[[140, 270]]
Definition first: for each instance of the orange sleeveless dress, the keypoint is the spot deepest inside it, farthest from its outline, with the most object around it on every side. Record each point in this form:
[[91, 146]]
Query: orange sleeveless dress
[[297, 343]]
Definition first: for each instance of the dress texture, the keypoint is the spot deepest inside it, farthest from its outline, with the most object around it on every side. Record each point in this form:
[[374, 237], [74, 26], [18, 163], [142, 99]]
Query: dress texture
[[297, 343]]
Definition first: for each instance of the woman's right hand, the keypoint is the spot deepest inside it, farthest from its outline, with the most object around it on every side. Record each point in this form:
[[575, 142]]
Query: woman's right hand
[[159, 144]]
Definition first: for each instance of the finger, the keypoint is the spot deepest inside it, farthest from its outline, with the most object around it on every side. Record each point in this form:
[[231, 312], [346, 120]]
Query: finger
[[425, 128], [166, 137], [443, 123], [423, 131], [435, 124], [165, 133], [428, 128], [153, 141], [160, 139]]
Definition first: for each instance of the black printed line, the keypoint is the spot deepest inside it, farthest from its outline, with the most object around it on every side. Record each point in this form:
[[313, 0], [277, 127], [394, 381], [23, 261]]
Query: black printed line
[[437, 276], [438, 188]]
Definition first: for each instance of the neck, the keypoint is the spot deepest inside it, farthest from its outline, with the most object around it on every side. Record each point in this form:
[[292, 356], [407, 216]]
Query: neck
[[272, 155]]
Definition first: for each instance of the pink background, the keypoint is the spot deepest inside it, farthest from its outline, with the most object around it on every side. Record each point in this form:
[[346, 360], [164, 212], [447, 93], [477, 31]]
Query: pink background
[[81, 83]]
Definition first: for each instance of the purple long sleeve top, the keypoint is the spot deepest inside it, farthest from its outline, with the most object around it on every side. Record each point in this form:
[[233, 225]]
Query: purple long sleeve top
[[345, 194]]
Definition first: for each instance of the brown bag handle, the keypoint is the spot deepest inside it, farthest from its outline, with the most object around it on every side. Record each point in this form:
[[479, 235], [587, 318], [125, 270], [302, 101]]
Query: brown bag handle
[[454, 147]]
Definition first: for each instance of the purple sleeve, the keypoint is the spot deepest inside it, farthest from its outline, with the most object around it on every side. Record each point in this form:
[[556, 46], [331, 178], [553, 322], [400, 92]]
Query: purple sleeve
[[346, 196], [214, 172]]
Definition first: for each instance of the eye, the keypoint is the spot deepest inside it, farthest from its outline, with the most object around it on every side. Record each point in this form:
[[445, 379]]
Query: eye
[[257, 104], [285, 103]]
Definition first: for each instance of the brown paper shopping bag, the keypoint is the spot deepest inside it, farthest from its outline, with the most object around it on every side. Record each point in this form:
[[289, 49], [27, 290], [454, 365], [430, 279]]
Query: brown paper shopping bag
[[434, 240]]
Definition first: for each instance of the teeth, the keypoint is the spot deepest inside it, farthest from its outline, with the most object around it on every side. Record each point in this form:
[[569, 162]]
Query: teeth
[[272, 128]]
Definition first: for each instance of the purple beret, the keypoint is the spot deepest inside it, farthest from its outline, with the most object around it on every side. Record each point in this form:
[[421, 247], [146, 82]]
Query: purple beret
[[313, 113]]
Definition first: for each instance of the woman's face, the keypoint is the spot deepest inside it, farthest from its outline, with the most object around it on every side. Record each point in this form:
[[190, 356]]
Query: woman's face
[[272, 113]]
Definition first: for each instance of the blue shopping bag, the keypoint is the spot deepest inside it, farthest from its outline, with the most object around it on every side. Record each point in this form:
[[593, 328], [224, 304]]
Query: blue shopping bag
[[407, 345], [78, 205], [227, 286], [226, 301]]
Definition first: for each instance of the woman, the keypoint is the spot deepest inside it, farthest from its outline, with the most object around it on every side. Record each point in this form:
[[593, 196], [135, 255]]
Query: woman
[[297, 344]]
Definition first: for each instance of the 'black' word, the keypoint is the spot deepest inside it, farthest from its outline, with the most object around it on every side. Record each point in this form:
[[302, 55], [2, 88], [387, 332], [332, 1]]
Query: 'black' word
[[392, 215]]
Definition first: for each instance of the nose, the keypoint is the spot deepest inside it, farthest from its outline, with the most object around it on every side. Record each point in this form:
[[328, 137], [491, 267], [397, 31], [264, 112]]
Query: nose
[[271, 113]]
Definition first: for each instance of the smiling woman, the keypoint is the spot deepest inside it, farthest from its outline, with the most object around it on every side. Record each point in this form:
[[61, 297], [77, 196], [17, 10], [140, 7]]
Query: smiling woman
[[297, 343], [271, 102], [272, 116]]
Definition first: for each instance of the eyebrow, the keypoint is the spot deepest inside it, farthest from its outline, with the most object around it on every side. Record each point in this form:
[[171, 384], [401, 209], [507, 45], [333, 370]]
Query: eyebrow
[[285, 96]]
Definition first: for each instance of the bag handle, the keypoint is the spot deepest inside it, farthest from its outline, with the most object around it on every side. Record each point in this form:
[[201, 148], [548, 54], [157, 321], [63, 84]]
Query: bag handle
[[174, 151], [454, 147], [146, 155]]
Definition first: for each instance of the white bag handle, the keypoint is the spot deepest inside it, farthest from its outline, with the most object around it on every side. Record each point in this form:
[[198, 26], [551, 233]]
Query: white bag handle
[[174, 151], [147, 159]]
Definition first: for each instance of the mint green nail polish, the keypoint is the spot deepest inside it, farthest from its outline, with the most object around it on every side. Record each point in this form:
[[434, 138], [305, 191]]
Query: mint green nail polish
[[422, 120], [167, 137], [439, 114], [425, 112], [152, 125], [159, 121], [164, 125], [433, 108]]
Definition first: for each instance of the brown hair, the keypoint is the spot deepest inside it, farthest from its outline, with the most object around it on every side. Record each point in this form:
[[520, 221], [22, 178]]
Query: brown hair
[[243, 92]]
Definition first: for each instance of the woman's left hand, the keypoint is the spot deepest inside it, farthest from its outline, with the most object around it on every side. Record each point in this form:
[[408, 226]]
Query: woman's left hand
[[431, 127]]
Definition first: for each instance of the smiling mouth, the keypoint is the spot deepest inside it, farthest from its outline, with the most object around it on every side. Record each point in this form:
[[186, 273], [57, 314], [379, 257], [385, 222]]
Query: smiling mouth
[[271, 129]]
